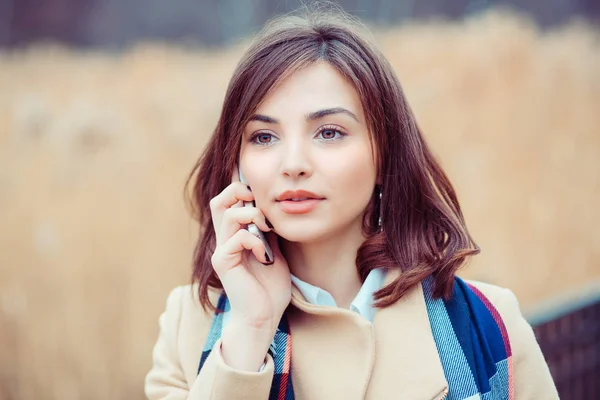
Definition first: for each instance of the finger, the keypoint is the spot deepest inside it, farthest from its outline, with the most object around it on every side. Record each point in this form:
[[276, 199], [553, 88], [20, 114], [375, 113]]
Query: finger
[[233, 193], [225, 256], [232, 196], [235, 177], [234, 219]]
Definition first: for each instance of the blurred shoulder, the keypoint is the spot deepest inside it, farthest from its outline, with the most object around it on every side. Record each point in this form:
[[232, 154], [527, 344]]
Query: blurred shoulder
[[494, 293], [532, 378], [183, 302], [184, 327]]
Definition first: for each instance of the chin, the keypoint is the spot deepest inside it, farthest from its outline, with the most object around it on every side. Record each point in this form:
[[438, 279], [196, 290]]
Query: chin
[[296, 234]]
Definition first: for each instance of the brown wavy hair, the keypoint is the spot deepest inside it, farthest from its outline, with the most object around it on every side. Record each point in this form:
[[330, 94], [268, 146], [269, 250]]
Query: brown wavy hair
[[424, 231]]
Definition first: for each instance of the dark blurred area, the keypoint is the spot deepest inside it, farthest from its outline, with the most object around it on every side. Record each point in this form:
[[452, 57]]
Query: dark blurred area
[[119, 23]]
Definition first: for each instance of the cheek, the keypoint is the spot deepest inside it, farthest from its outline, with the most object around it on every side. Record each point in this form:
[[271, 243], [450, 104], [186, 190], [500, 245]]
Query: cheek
[[256, 173], [353, 176]]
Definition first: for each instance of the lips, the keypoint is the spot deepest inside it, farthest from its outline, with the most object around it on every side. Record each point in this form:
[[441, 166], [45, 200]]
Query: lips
[[298, 195], [299, 206]]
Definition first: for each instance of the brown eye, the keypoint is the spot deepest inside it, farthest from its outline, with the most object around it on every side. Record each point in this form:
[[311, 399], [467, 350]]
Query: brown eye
[[261, 138], [330, 134], [264, 136]]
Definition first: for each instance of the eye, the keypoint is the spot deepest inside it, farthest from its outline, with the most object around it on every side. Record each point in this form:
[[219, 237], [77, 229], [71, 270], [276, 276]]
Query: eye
[[329, 133], [261, 138]]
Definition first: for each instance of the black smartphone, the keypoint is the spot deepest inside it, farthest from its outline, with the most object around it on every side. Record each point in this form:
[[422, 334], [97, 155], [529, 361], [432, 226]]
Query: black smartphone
[[252, 228]]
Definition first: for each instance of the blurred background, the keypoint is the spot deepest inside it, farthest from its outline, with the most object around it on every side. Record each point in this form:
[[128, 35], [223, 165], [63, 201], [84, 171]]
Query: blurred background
[[105, 105]]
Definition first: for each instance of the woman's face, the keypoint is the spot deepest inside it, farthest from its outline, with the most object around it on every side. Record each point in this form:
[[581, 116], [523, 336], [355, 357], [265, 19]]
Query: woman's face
[[310, 134]]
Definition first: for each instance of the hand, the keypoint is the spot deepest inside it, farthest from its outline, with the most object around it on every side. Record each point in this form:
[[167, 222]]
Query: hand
[[258, 293]]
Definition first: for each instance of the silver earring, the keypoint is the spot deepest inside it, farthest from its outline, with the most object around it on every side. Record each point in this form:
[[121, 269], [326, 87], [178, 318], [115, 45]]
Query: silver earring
[[380, 209]]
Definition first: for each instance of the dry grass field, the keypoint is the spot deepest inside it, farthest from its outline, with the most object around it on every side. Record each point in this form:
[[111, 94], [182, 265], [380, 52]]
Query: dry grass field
[[95, 148]]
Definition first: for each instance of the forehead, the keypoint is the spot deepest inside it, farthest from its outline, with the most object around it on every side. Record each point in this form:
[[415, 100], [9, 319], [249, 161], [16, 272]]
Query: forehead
[[317, 86]]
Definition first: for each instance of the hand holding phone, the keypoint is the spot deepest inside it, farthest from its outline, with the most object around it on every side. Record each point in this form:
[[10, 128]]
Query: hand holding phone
[[252, 228], [258, 295]]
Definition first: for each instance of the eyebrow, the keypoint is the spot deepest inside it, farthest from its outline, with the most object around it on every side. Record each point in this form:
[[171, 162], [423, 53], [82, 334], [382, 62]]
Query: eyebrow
[[309, 117]]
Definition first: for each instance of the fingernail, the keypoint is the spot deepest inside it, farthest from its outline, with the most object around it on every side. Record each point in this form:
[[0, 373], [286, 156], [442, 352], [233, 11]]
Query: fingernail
[[268, 223], [248, 186], [269, 261]]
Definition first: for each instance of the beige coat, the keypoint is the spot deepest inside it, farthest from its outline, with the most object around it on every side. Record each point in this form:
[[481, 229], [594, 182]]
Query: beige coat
[[336, 353]]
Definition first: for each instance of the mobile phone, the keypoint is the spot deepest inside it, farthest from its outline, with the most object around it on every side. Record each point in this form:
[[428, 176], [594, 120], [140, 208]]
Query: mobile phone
[[252, 228]]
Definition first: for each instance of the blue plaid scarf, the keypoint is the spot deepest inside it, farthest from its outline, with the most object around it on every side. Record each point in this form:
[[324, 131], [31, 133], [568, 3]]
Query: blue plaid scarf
[[468, 331]]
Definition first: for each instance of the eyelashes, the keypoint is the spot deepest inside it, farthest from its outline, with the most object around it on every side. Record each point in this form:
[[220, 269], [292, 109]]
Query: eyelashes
[[324, 129]]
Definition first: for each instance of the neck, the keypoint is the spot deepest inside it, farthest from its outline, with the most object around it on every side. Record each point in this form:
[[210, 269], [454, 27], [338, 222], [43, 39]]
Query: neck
[[328, 262]]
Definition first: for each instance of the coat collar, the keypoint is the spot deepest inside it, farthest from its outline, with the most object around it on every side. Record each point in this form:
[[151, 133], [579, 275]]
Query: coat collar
[[407, 359], [362, 303]]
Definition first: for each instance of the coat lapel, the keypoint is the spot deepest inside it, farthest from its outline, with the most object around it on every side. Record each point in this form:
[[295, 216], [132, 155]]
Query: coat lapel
[[332, 351], [407, 364]]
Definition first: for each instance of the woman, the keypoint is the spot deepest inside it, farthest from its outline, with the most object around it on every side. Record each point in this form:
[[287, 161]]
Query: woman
[[361, 299]]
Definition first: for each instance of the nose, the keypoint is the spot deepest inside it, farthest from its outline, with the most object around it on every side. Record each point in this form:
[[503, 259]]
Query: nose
[[296, 158]]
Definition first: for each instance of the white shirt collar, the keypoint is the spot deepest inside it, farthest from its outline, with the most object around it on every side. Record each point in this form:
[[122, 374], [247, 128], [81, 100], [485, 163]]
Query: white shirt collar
[[362, 303]]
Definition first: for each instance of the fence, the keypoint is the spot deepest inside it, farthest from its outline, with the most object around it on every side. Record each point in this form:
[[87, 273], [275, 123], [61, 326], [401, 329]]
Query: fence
[[568, 332]]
